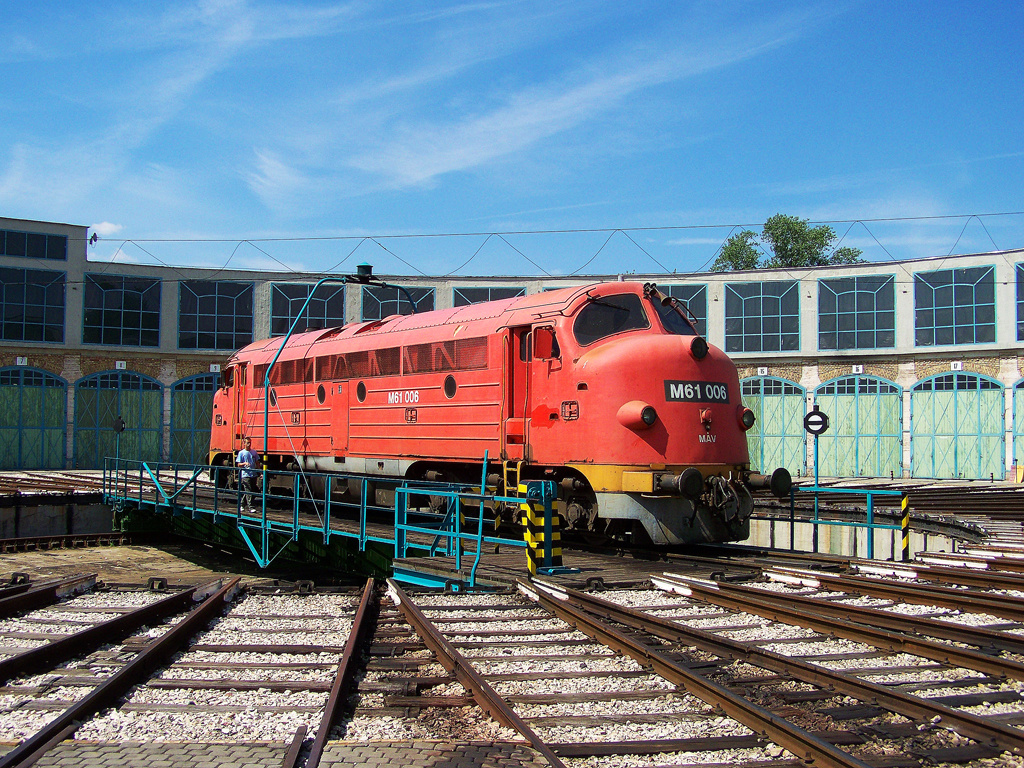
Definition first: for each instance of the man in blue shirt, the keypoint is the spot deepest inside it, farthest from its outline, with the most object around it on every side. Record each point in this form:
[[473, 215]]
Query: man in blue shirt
[[249, 461]]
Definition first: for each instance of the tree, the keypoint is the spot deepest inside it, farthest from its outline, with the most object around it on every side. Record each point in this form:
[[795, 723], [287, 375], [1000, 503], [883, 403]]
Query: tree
[[787, 241]]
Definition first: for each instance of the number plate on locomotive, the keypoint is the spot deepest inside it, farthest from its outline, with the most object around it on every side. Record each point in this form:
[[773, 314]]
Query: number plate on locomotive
[[696, 392]]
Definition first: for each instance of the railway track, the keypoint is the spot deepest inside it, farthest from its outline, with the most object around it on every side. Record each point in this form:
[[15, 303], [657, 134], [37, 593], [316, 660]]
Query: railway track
[[777, 664], [71, 484]]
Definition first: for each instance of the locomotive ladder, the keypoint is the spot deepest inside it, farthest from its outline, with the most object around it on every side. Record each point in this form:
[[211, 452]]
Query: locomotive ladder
[[512, 471]]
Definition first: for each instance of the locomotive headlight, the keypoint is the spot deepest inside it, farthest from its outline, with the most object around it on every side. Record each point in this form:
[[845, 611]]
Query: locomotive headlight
[[636, 414], [746, 418], [698, 347]]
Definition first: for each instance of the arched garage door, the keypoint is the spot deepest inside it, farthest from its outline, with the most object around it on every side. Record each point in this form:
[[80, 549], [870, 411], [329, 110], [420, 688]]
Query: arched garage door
[[1018, 425], [956, 427], [865, 435], [99, 400], [191, 412], [777, 438], [33, 419]]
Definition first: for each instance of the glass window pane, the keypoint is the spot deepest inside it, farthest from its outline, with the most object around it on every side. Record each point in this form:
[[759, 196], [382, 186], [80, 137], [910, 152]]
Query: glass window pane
[[31, 305], [112, 310], [965, 306], [765, 314], [220, 311]]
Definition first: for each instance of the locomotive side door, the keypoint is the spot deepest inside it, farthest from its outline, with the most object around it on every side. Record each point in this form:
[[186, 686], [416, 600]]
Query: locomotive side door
[[238, 406], [339, 418], [517, 394]]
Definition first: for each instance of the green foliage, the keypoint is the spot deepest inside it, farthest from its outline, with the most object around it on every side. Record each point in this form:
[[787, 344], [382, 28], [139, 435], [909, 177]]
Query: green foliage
[[786, 241], [739, 252]]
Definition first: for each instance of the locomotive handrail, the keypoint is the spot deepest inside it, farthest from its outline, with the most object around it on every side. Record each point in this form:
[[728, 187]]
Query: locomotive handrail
[[364, 277]]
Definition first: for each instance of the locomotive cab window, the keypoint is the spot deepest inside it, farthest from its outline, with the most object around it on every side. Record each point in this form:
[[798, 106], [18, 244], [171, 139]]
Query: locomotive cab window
[[608, 315], [673, 319], [527, 341]]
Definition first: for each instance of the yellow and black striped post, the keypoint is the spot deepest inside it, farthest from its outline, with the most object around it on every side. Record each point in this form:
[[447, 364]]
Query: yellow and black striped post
[[905, 526], [541, 526]]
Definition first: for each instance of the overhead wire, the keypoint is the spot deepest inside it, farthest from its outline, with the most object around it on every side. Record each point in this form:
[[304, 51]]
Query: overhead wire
[[585, 264], [104, 267], [567, 231]]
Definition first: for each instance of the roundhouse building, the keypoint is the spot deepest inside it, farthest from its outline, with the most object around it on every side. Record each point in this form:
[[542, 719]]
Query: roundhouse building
[[918, 363]]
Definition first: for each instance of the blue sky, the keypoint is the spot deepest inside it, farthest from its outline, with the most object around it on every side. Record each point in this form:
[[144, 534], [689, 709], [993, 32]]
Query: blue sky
[[294, 124]]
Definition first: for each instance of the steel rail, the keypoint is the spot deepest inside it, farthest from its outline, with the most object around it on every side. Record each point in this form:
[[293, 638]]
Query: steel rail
[[362, 626], [65, 541], [46, 594], [982, 578], [91, 638], [108, 693], [978, 728], [453, 661], [855, 623], [982, 637], [805, 745], [944, 597], [22, 582], [1005, 566], [960, 577], [294, 751]]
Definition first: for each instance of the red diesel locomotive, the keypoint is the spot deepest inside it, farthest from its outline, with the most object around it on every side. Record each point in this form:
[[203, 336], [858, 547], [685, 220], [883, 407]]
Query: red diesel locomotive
[[606, 389]]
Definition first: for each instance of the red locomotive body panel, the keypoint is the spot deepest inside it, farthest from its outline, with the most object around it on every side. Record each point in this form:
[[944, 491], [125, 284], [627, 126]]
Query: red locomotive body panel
[[604, 388]]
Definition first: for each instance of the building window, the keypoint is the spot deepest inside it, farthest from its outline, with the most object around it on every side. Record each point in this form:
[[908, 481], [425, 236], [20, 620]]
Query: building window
[[380, 302], [857, 312], [955, 306], [121, 310], [695, 297], [1020, 302], [214, 315], [325, 310], [31, 305], [762, 317], [465, 296], [33, 245]]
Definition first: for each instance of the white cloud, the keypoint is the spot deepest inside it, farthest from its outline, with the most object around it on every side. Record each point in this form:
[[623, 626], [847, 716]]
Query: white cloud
[[416, 152], [106, 229], [178, 52], [277, 183]]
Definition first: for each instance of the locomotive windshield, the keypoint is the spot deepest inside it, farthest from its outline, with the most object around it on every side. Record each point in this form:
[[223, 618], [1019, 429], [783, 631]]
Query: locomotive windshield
[[672, 318], [608, 315]]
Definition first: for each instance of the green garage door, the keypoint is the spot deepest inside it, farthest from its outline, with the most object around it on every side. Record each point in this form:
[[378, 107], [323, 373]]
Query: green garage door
[[99, 400], [865, 432], [191, 412], [777, 438], [33, 419], [956, 427], [1018, 424]]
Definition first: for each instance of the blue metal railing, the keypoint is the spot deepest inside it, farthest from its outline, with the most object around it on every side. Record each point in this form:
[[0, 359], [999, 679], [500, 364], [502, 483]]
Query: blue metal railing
[[869, 523], [413, 525]]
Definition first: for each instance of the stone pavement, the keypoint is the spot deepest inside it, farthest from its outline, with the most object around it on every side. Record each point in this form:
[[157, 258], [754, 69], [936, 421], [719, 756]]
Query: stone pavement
[[89, 754], [431, 754], [339, 754]]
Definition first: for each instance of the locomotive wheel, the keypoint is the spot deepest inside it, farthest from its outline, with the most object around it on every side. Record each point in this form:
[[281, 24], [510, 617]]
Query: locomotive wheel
[[580, 516], [223, 477]]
